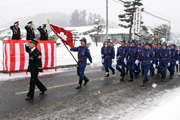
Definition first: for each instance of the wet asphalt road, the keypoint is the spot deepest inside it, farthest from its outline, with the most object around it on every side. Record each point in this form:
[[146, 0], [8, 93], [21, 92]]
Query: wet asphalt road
[[97, 100]]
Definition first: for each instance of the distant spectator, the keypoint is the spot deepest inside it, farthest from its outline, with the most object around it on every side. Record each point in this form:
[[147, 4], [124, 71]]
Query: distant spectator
[[30, 31], [16, 31], [43, 32]]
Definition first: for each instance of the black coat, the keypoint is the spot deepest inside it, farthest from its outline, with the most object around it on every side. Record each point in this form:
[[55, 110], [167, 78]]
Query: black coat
[[35, 62], [30, 33], [16, 32], [43, 34]]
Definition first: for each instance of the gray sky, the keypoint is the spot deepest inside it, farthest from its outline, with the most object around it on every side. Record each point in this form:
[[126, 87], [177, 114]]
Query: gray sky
[[11, 9]]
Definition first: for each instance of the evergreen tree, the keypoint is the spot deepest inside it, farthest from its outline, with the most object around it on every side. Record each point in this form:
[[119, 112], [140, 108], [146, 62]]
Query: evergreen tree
[[82, 18], [75, 19], [130, 9], [90, 19]]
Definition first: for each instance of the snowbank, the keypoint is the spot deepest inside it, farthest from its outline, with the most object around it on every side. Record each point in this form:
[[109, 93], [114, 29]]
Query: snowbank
[[166, 108]]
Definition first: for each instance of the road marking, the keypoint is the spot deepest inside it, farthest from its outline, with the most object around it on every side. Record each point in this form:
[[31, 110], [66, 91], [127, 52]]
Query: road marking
[[58, 86]]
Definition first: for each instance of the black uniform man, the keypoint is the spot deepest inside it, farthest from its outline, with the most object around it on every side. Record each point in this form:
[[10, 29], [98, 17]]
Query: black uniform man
[[16, 31], [30, 31], [43, 32], [34, 67]]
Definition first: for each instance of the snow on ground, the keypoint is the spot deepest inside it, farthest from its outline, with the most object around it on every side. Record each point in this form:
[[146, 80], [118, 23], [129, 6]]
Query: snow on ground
[[166, 108]]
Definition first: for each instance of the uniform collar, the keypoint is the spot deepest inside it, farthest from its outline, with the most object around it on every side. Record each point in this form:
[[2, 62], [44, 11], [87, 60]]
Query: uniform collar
[[32, 49]]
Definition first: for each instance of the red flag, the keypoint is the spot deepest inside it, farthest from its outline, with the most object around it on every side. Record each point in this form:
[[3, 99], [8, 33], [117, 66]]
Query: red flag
[[65, 36], [112, 42]]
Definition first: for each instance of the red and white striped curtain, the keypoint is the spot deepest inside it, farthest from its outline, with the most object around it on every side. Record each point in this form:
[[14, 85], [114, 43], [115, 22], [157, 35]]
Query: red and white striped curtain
[[15, 58]]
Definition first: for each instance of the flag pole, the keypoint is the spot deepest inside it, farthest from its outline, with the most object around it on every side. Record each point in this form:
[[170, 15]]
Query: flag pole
[[47, 20]]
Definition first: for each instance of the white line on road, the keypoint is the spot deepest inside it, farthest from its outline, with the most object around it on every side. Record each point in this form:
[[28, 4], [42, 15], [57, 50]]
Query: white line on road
[[58, 86]]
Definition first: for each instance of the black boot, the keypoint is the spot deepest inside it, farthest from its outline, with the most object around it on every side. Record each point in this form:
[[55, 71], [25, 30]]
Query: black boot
[[107, 74], [113, 71], [136, 75], [86, 80], [171, 75], [152, 73], [163, 78], [127, 71], [79, 86], [122, 77], [144, 82], [131, 78]]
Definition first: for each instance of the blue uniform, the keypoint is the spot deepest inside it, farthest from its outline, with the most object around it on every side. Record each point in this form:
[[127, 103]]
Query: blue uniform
[[174, 58], [120, 59], [83, 54], [146, 56], [109, 54], [151, 66], [102, 52], [132, 55], [164, 57]]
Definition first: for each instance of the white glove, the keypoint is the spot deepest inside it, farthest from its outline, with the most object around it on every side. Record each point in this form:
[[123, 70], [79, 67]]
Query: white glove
[[137, 62], [177, 62], [91, 64], [169, 64], [27, 44], [102, 60], [151, 61], [154, 66], [40, 73], [158, 63], [125, 61], [29, 25], [112, 60]]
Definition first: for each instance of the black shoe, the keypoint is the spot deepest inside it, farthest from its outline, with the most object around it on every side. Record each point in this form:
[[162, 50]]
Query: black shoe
[[131, 78], [78, 87], [107, 75], [163, 78], [28, 98], [86, 81], [122, 79], [113, 72], [152, 74], [42, 92], [142, 85]]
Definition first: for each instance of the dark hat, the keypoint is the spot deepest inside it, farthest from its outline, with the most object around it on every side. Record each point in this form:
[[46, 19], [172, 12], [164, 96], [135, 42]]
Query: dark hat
[[128, 42], [83, 39], [104, 43], [44, 25], [30, 22], [174, 45], [124, 41], [140, 43], [164, 43], [34, 41], [17, 22], [133, 41], [147, 43]]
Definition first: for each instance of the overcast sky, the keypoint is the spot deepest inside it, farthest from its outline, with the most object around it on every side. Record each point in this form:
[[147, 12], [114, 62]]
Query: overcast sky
[[13, 9]]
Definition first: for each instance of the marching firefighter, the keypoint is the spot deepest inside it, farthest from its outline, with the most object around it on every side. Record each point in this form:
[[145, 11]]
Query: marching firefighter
[[132, 55], [138, 70], [152, 69], [127, 66], [43, 32], [164, 60], [120, 66], [146, 57], [174, 60], [109, 55], [16, 31], [30, 31], [35, 68], [102, 52], [83, 54]]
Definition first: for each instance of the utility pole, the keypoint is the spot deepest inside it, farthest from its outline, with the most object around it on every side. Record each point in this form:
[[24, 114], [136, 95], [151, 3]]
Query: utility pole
[[106, 19]]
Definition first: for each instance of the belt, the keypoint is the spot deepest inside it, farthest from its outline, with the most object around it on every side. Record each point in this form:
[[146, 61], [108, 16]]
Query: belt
[[108, 55], [81, 59], [122, 56], [145, 61], [133, 58], [164, 58], [173, 58]]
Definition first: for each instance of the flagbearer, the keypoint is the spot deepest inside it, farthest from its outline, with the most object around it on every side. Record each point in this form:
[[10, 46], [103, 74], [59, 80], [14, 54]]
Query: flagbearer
[[16, 31], [83, 54], [109, 55], [30, 31], [43, 32], [35, 68]]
